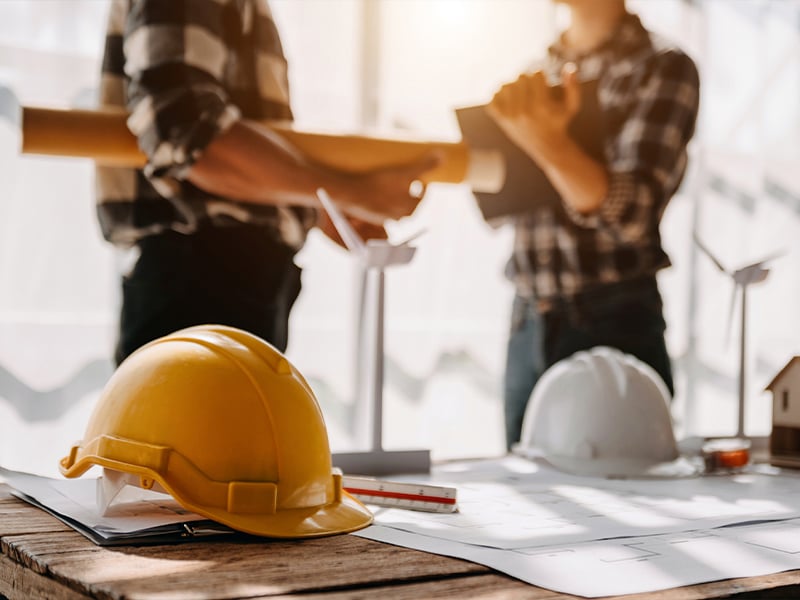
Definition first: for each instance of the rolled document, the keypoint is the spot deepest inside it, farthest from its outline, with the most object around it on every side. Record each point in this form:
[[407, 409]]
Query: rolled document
[[103, 136]]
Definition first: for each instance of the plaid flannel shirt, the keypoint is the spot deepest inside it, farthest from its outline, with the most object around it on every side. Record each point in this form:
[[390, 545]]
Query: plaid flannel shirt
[[187, 71], [648, 93]]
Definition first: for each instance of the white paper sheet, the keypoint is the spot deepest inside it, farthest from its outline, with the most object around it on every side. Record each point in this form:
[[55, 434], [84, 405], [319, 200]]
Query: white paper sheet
[[514, 503], [624, 536], [628, 565], [136, 510]]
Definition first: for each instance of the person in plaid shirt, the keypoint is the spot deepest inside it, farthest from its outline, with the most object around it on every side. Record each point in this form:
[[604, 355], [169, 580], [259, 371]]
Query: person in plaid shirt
[[223, 203], [584, 270]]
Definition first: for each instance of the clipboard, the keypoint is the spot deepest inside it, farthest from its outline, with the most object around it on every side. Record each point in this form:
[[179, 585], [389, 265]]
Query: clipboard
[[526, 186], [68, 501], [164, 534]]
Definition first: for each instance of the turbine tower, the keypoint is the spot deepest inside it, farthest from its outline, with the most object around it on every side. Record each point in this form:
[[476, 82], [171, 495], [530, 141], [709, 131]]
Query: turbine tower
[[742, 278]]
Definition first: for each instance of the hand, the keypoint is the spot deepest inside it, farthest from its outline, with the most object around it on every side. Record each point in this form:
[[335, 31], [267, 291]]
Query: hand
[[367, 231], [529, 114], [390, 193]]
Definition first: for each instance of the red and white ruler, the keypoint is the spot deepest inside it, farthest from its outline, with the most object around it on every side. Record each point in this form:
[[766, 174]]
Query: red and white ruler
[[396, 494]]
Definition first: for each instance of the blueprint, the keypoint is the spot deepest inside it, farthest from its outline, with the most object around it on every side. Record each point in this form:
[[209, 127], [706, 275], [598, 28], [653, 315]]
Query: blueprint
[[625, 536], [629, 565], [528, 520]]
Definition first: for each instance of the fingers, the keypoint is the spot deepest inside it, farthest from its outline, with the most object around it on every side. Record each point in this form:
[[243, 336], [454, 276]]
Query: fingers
[[392, 192], [516, 96], [572, 89], [519, 97], [428, 162], [500, 104], [532, 96], [510, 99], [537, 88]]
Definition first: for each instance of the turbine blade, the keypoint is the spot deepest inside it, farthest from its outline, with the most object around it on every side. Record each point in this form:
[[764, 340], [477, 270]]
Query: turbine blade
[[350, 236], [771, 256], [707, 252]]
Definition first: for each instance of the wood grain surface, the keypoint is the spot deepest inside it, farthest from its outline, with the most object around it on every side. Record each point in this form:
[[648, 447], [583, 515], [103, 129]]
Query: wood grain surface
[[42, 558]]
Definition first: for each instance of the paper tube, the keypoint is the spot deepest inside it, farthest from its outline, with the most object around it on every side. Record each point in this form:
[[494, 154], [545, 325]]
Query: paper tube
[[103, 136]]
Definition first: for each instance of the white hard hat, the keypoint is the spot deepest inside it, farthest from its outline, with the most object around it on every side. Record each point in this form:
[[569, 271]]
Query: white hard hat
[[603, 413]]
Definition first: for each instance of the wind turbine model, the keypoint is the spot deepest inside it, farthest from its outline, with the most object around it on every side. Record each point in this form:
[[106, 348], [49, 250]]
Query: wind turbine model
[[742, 278], [375, 256]]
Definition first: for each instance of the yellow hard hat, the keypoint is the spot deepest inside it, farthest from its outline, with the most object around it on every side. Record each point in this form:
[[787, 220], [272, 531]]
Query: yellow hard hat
[[226, 425]]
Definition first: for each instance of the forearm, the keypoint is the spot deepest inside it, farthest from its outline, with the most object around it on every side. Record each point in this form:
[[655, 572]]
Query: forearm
[[581, 181], [624, 204], [251, 163]]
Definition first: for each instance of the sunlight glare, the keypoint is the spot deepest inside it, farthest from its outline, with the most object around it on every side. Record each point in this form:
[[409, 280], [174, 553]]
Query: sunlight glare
[[451, 13]]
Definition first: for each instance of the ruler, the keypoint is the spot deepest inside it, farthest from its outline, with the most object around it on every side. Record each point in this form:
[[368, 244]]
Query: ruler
[[396, 494]]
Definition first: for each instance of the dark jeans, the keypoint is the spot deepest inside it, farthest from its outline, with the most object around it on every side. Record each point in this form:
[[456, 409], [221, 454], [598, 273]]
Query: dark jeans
[[625, 316], [234, 276]]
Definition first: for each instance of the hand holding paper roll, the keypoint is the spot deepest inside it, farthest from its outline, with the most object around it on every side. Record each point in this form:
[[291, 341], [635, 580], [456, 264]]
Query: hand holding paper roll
[[103, 136], [251, 163]]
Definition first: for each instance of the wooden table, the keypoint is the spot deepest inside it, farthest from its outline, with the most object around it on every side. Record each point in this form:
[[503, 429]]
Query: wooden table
[[41, 558]]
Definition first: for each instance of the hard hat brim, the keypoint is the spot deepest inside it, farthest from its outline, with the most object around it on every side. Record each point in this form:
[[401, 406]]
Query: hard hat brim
[[625, 468], [338, 517], [343, 516], [614, 468]]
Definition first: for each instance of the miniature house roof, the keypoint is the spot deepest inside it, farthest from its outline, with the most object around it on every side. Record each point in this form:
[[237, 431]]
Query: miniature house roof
[[795, 360]]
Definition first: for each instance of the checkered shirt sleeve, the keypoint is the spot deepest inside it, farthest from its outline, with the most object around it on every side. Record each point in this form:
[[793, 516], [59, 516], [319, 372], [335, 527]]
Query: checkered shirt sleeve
[[187, 70], [646, 158]]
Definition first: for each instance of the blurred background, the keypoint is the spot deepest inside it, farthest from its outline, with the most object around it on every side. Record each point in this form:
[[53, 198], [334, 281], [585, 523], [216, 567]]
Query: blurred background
[[391, 66]]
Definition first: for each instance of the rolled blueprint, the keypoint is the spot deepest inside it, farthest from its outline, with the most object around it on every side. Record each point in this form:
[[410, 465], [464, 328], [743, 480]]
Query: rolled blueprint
[[103, 136]]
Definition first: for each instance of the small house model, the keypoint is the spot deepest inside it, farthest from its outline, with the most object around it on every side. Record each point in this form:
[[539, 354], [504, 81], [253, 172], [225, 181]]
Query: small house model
[[784, 443]]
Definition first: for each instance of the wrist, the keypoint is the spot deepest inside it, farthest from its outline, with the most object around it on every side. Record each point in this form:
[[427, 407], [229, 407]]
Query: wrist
[[549, 147]]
